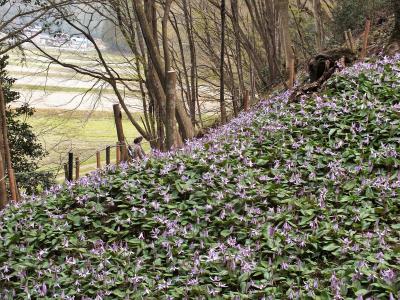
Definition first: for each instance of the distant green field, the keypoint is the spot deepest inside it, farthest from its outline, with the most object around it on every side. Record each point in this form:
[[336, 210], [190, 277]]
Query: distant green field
[[69, 89], [81, 132]]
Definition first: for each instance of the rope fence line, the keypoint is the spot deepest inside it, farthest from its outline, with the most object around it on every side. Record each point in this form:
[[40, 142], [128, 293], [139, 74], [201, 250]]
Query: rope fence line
[[122, 154], [58, 168]]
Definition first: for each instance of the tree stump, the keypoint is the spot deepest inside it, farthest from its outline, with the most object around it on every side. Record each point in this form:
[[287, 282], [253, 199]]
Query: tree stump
[[321, 67]]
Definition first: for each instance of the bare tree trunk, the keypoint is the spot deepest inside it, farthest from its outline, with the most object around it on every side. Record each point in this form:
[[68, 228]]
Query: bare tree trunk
[[239, 65], [193, 59], [3, 187], [171, 121], [7, 152], [319, 27], [396, 30], [167, 60], [224, 118], [286, 39], [185, 124]]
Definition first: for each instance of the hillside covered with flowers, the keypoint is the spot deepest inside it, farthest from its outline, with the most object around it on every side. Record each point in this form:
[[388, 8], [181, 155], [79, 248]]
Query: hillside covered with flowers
[[289, 201]]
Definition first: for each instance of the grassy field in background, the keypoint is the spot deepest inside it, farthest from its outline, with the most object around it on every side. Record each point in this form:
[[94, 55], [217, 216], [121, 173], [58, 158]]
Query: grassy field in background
[[65, 89], [81, 132]]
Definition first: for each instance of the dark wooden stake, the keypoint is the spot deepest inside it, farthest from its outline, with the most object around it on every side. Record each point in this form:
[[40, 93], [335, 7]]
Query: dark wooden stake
[[108, 155], [77, 168], [70, 166]]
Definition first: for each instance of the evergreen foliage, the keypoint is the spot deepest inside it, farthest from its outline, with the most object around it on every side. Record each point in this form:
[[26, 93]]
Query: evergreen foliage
[[26, 150]]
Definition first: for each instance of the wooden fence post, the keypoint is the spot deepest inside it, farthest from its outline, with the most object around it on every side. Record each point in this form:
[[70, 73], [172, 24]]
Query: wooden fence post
[[77, 166], [108, 155], [346, 38], [70, 166], [118, 153], [98, 159], [120, 131], [365, 39], [351, 39]]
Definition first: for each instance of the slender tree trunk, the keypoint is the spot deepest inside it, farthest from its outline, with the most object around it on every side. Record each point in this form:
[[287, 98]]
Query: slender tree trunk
[[148, 31], [222, 64], [239, 65], [193, 60], [286, 39], [186, 91], [167, 59], [396, 30], [7, 152], [171, 121], [3, 186], [318, 25]]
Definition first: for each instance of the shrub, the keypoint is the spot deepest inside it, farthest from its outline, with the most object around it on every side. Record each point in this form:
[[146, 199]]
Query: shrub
[[351, 14], [26, 150]]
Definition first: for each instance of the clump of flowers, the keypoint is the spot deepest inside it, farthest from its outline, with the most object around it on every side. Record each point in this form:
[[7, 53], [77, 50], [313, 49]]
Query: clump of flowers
[[288, 201]]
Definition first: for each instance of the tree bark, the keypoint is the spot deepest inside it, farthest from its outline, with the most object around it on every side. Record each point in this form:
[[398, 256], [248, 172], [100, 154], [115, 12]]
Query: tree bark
[[7, 153], [396, 30], [170, 126], [185, 125], [193, 59], [167, 60], [318, 25], [3, 187], [394, 43], [286, 39], [239, 64], [222, 64], [120, 131]]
